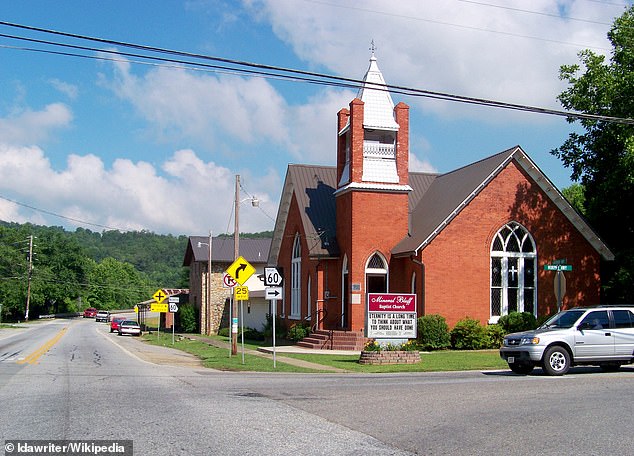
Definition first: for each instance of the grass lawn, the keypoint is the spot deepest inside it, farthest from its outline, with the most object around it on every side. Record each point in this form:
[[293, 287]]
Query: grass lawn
[[446, 360], [218, 358]]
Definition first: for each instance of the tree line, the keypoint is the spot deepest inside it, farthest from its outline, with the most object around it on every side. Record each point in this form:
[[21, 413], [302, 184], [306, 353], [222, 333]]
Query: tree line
[[74, 270]]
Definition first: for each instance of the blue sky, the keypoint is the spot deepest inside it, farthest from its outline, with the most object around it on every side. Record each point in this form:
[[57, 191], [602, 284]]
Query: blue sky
[[130, 146]]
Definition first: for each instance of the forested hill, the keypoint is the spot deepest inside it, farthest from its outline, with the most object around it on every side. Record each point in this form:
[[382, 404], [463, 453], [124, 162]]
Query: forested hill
[[81, 268]]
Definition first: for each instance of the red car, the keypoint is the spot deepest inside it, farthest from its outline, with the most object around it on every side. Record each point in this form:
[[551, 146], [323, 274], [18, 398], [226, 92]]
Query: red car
[[114, 324], [90, 312]]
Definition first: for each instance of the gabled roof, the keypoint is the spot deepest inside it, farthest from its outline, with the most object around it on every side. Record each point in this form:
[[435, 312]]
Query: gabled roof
[[313, 187], [436, 199], [253, 250], [451, 192]]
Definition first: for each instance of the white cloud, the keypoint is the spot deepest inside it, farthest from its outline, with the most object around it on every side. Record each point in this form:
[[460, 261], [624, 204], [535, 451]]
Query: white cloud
[[128, 196], [207, 108], [70, 90], [25, 126], [465, 48], [423, 166]]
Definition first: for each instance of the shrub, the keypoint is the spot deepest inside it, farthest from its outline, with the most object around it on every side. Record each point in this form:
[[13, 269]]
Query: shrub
[[494, 336], [468, 334], [280, 327], [433, 332], [188, 317], [297, 332], [518, 321]]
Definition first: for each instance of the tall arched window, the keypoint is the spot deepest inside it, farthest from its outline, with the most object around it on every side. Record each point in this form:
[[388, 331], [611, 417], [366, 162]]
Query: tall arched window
[[376, 274], [513, 278], [296, 279]]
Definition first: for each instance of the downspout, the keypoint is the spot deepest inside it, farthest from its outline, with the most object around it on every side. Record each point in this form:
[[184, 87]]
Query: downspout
[[422, 282]]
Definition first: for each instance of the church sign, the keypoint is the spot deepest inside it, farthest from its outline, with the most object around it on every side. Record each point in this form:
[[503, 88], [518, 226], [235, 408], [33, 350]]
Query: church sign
[[391, 316]]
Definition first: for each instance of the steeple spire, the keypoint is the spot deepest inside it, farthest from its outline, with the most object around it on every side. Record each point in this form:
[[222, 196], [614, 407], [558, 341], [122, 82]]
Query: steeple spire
[[379, 107]]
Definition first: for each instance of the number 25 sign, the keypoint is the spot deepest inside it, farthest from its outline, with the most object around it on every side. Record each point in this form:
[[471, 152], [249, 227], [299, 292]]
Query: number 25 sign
[[241, 293]]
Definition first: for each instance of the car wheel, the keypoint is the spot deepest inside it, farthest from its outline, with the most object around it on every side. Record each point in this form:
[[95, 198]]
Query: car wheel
[[521, 368], [556, 360], [120, 333], [610, 367]]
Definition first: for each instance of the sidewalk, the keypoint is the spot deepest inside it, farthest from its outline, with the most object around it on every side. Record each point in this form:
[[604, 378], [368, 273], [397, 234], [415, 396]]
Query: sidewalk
[[267, 352]]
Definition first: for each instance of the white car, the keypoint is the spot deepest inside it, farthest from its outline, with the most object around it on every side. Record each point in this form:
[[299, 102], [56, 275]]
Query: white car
[[602, 335], [102, 315], [129, 327]]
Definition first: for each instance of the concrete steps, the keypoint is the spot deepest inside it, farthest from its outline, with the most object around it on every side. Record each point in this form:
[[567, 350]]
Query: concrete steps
[[324, 339]]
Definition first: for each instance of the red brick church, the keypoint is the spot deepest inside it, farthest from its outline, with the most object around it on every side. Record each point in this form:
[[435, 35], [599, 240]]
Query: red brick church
[[471, 242]]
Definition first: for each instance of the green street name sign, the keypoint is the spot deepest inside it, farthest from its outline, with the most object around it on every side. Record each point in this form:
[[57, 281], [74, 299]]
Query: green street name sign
[[557, 267]]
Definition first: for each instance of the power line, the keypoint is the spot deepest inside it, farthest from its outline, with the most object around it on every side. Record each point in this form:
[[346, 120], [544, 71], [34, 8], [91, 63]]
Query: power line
[[44, 211], [460, 26], [539, 13], [270, 71]]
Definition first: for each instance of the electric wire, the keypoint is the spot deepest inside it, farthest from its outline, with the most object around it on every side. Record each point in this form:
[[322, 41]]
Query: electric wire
[[321, 78]]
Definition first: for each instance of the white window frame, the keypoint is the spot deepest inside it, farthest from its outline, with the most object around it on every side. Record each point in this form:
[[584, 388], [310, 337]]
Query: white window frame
[[296, 280], [523, 259]]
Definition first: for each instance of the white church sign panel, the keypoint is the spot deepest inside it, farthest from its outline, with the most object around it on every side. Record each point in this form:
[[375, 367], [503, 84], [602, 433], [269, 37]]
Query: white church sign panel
[[391, 315]]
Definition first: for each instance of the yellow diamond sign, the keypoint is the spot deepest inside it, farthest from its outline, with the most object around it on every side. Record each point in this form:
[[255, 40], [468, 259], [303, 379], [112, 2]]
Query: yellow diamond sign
[[159, 296], [240, 270]]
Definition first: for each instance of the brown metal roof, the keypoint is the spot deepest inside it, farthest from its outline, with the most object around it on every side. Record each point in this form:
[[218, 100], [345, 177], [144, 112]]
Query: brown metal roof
[[314, 189], [434, 201], [444, 197], [253, 250]]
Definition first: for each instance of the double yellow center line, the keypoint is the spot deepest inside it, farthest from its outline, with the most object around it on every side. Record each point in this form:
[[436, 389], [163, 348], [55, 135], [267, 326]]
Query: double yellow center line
[[34, 357]]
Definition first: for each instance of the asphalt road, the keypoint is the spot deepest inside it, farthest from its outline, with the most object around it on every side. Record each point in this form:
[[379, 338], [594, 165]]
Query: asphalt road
[[94, 385]]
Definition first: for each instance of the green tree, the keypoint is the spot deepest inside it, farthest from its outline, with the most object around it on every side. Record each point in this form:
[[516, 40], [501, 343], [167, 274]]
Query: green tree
[[575, 194], [116, 285], [602, 156]]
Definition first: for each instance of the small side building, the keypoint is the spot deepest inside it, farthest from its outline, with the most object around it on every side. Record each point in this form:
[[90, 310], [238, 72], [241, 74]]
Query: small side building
[[214, 311]]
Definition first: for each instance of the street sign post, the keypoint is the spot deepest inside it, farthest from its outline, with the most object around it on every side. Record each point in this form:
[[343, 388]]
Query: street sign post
[[273, 277], [228, 281], [159, 307], [159, 296], [240, 270], [241, 293], [272, 293], [559, 266]]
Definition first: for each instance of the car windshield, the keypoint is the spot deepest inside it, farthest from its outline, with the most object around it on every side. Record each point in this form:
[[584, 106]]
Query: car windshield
[[565, 319]]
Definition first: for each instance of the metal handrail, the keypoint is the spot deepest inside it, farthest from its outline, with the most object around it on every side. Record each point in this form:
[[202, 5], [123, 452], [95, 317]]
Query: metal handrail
[[319, 316]]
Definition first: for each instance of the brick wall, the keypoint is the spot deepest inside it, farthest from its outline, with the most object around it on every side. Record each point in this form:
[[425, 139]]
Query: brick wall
[[457, 262]]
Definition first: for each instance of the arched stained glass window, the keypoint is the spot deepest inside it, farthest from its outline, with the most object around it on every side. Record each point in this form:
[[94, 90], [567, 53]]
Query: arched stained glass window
[[513, 277]]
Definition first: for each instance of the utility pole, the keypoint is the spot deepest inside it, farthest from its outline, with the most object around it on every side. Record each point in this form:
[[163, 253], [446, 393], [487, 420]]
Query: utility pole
[[207, 313], [28, 278], [236, 254]]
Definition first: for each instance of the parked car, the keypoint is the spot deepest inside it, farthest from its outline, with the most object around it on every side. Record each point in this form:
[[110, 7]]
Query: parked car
[[114, 323], [90, 312], [129, 327], [601, 335], [102, 315]]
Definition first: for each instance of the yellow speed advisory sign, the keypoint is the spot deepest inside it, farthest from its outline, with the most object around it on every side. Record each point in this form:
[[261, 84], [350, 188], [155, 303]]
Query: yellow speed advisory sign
[[241, 293]]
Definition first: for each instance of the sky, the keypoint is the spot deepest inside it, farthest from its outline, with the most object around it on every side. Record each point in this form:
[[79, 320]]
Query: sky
[[109, 141]]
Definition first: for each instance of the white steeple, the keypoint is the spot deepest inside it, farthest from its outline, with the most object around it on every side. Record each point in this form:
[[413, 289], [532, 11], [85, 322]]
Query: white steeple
[[379, 107]]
